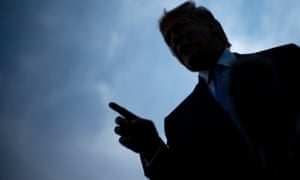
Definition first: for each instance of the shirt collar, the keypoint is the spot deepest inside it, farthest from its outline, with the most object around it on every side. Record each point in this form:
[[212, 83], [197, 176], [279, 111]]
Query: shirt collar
[[226, 59]]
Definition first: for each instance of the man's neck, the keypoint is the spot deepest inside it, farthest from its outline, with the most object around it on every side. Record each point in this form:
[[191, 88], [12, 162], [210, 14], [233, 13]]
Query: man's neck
[[226, 58]]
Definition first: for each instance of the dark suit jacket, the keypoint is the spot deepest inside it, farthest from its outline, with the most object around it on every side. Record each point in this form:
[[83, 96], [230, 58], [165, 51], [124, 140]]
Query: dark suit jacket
[[266, 92], [203, 143]]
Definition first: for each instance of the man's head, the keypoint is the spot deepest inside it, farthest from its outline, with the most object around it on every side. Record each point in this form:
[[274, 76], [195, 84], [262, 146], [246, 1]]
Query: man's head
[[193, 35]]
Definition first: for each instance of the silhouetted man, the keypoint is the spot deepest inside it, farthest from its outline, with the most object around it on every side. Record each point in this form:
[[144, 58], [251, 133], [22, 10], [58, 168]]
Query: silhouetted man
[[206, 137]]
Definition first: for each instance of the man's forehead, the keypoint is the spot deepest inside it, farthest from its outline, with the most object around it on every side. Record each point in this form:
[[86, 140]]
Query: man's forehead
[[171, 22], [177, 19]]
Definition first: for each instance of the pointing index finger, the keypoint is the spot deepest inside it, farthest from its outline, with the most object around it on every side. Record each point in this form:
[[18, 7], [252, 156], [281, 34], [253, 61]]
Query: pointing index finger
[[124, 112]]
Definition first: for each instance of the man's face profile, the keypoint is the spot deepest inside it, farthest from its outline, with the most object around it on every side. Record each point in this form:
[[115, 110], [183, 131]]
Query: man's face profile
[[190, 41]]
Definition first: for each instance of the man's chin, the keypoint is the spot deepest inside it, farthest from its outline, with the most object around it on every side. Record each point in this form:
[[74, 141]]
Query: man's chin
[[192, 68], [197, 63], [199, 66]]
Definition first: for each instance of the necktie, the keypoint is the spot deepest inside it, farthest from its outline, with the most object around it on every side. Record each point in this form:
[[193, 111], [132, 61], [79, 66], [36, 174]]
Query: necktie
[[220, 77]]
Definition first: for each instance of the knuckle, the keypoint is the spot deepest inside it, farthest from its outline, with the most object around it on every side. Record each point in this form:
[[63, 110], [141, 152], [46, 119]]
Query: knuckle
[[118, 130]]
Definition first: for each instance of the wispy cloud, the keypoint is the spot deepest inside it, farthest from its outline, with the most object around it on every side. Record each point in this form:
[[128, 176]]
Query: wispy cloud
[[67, 59]]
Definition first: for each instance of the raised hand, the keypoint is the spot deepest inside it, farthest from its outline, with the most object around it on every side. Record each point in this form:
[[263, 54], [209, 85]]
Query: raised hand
[[135, 133]]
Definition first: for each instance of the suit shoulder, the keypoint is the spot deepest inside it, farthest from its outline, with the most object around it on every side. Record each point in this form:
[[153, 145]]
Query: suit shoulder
[[291, 49], [283, 46], [290, 46], [281, 49]]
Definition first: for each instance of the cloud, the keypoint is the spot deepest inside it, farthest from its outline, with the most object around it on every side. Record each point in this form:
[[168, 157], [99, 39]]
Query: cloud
[[63, 61], [115, 42]]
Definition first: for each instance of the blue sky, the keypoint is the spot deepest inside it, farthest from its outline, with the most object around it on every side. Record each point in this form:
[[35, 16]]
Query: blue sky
[[63, 61]]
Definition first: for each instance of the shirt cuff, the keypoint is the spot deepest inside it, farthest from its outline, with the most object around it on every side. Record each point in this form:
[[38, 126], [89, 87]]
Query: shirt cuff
[[149, 162]]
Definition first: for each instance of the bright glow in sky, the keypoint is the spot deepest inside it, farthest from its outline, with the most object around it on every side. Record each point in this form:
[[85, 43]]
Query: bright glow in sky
[[63, 61]]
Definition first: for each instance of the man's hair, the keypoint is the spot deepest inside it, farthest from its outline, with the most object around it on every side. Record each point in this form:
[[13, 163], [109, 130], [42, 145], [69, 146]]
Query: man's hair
[[201, 14]]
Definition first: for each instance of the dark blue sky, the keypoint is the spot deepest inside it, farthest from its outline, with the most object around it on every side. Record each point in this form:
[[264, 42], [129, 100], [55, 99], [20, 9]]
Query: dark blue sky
[[62, 61]]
